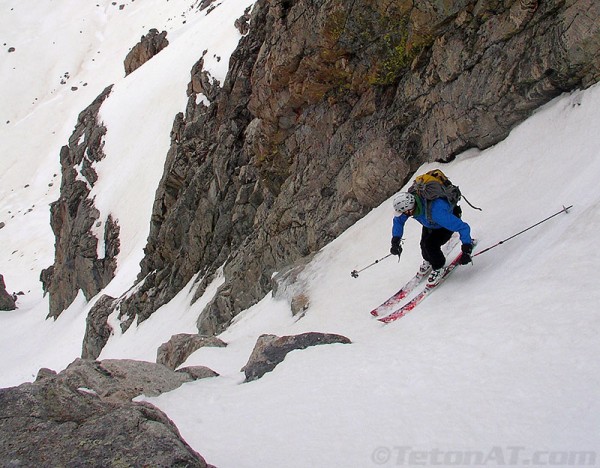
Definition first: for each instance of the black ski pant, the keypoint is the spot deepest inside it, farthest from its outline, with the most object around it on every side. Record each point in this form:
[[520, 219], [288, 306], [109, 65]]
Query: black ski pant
[[431, 245]]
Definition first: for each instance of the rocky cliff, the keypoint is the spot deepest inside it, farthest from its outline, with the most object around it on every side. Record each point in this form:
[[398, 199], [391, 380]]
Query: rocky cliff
[[327, 109], [75, 221]]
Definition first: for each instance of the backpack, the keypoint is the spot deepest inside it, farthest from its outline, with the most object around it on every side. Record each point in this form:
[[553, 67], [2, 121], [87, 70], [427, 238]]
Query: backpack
[[434, 184]]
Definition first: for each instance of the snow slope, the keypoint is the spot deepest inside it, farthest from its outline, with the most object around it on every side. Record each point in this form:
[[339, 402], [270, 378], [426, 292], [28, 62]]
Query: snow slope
[[502, 355], [497, 367]]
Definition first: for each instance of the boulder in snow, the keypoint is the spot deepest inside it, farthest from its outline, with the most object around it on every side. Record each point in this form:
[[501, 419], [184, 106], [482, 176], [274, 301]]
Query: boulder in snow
[[270, 350], [174, 352]]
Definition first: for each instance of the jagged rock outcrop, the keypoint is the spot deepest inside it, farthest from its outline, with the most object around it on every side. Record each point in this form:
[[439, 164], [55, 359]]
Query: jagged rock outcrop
[[75, 220], [7, 301], [271, 350], [326, 111], [149, 45], [83, 416], [242, 23], [174, 352], [97, 329]]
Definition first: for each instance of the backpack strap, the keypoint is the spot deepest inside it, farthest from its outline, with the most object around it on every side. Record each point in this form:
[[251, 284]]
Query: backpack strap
[[470, 204]]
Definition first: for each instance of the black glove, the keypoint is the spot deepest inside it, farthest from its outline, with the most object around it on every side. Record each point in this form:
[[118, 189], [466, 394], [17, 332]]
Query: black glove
[[396, 248], [465, 258]]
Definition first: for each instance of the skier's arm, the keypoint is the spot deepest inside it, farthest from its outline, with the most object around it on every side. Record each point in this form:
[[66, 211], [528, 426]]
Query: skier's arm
[[397, 231], [398, 225]]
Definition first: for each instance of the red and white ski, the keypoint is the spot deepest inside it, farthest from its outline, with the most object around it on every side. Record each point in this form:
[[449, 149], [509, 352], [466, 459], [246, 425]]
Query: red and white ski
[[409, 287], [415, 301]]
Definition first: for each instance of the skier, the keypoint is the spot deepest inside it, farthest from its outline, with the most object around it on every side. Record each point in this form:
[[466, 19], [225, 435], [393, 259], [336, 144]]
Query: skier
[[439, 223]]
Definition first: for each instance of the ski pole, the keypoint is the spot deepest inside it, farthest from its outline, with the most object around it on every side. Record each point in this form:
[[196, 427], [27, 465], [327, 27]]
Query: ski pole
[[564, 210], [354, 273]]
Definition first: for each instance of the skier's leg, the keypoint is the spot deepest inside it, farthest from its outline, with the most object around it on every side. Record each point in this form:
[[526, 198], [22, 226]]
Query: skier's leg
[[431, 246], [425, 233]]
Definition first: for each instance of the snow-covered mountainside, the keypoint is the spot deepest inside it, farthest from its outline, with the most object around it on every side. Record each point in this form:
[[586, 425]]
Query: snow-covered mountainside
[[498, 366]]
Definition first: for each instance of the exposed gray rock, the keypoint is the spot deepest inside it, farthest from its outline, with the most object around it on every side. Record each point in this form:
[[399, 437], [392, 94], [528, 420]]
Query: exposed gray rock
[[174, 352], [80, 417], [202, 82], [204, 4], [242, 22], [7, 301], [198, 372], [122, 379], [58, 426], [77, 265], [270, 350], [149, 45], [97, 330]]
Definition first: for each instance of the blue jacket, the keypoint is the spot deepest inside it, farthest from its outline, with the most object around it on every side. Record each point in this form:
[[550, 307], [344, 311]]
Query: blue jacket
[[441, 217]]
